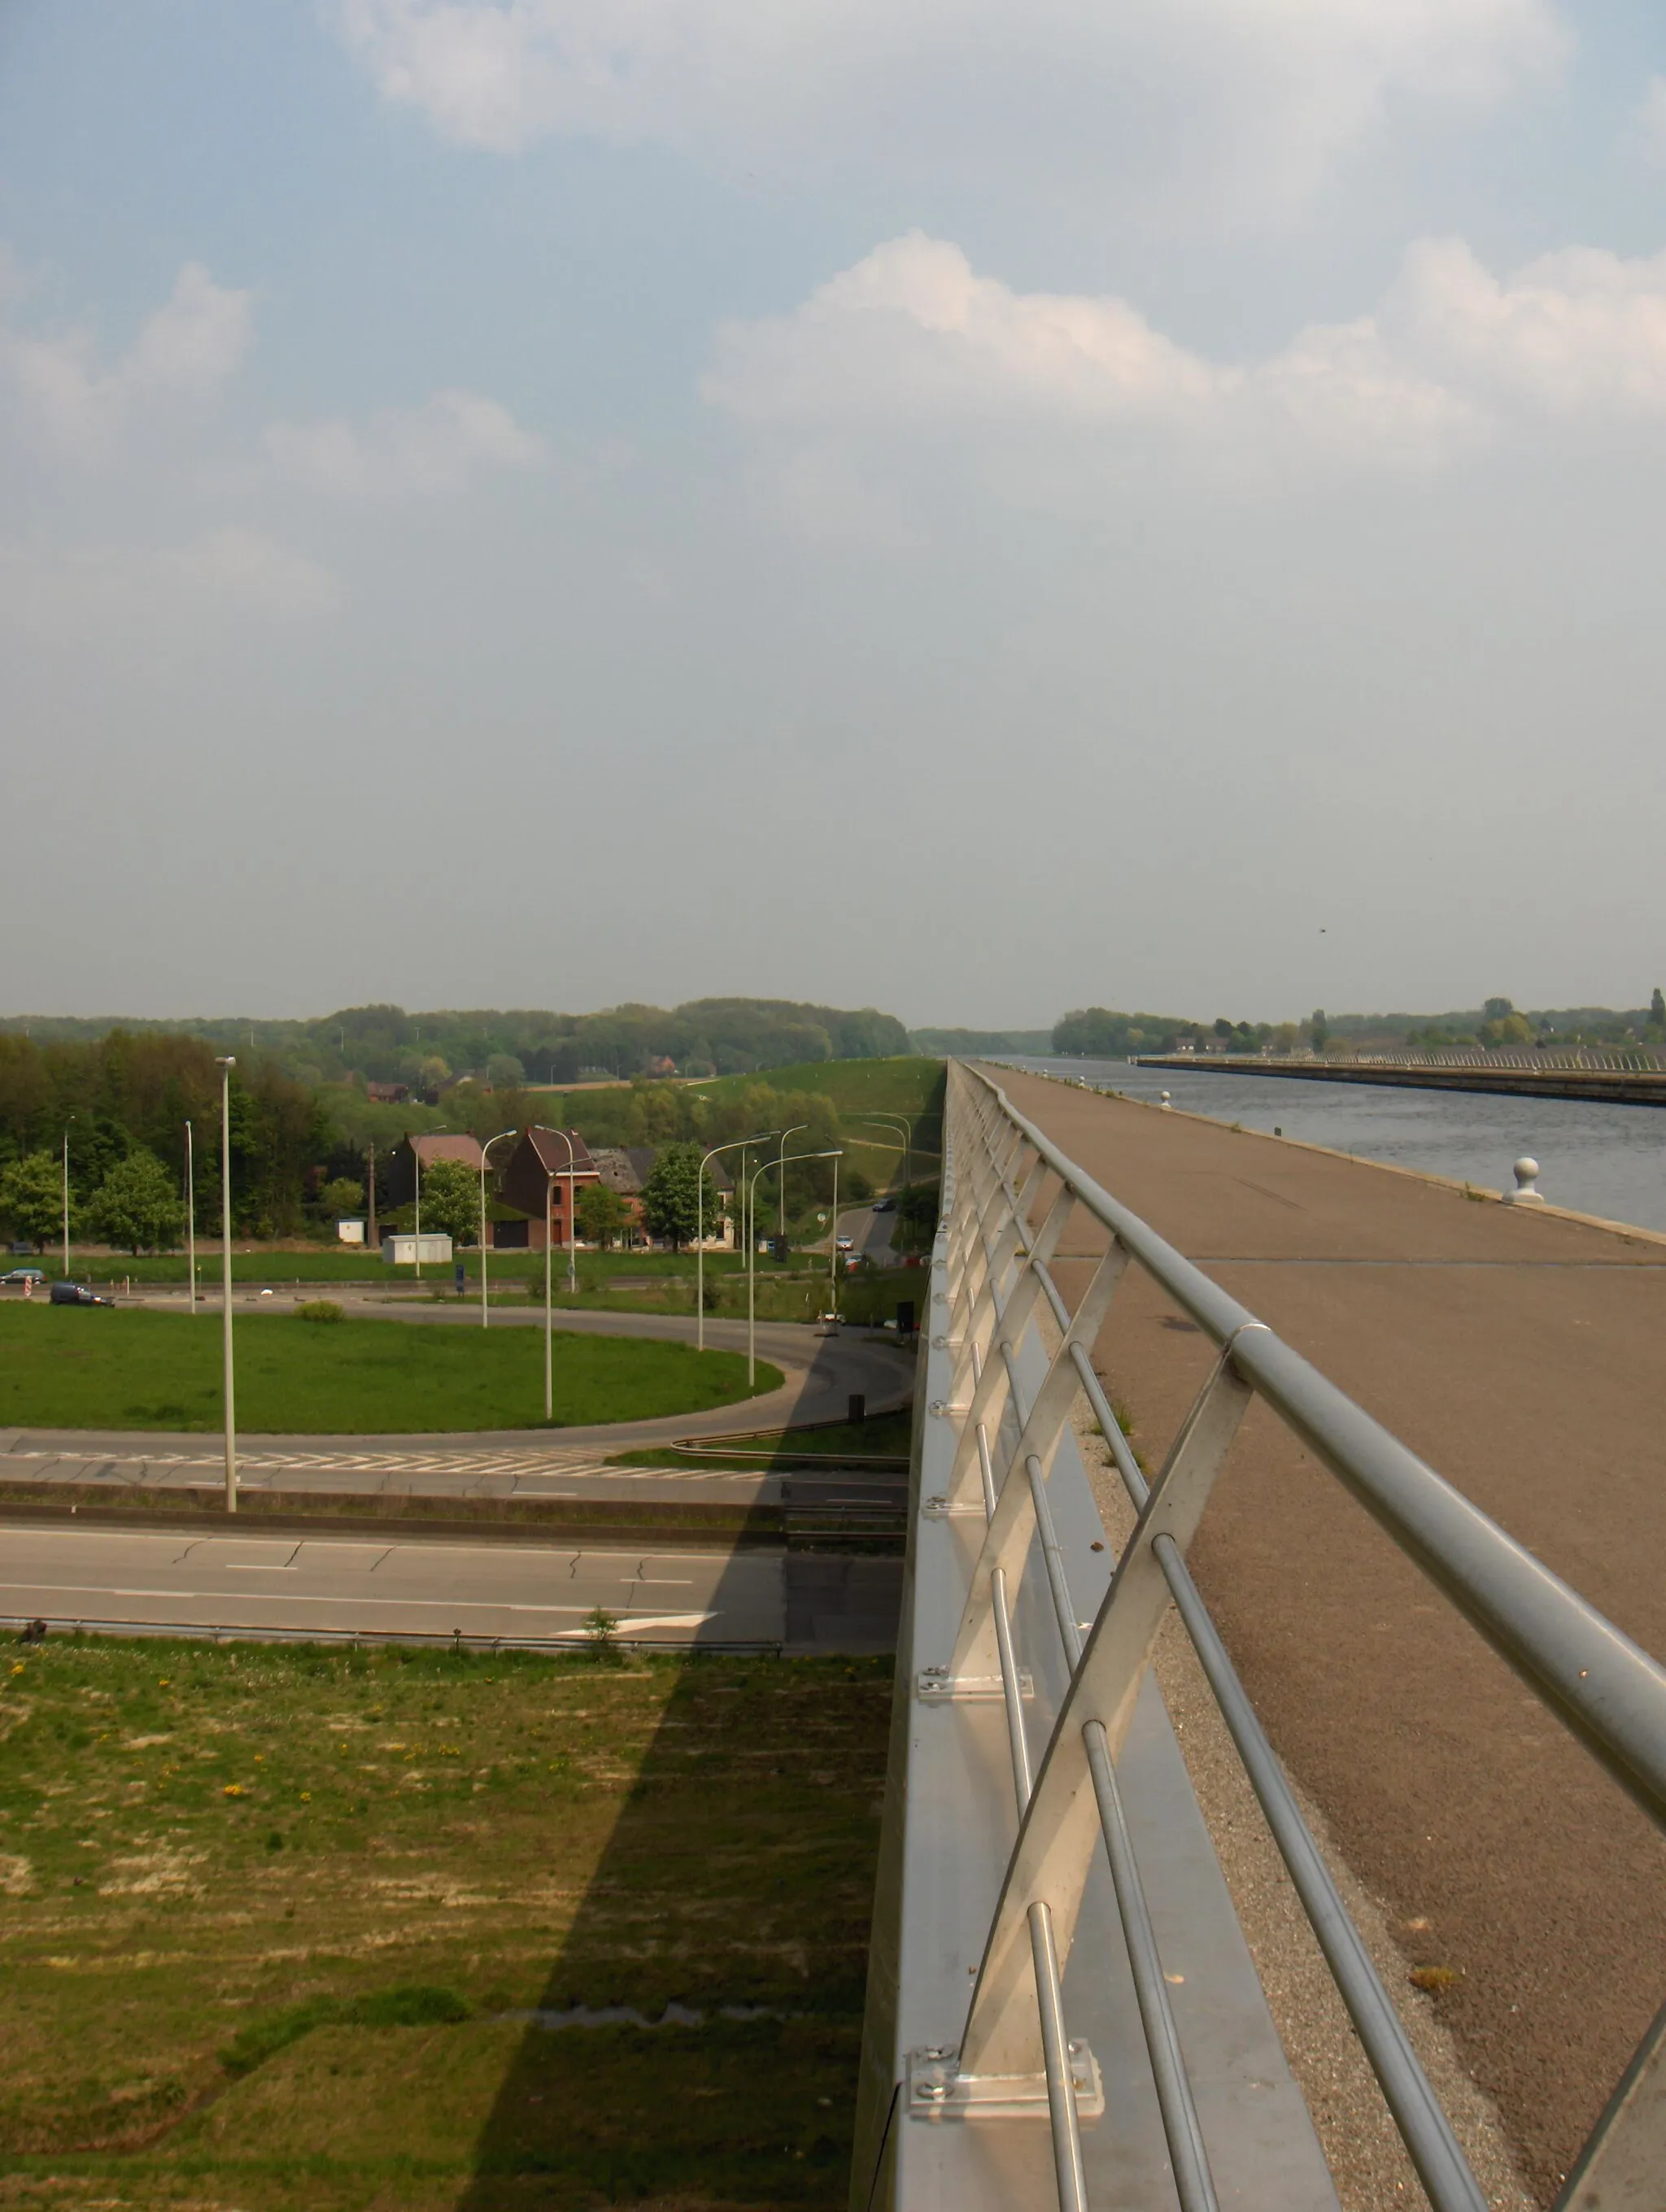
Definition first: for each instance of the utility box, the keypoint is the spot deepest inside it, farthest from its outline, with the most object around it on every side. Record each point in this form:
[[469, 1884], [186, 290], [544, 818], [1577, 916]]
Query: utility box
[[402, 1251], [350, 1233]]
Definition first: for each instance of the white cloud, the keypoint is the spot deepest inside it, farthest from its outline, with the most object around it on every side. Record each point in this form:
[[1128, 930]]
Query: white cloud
[[183, 352], [100, 594], [436, 447], [913, 344], [1648, 131], [1262, 94]]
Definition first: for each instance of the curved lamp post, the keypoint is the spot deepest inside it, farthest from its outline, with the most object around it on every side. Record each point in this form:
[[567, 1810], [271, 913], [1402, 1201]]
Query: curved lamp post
[[904, 1122], [737, 1144], [191, 1217], [416, 1170], [549, 1174], [485, 1149], [225, 1067], [786, 1160]]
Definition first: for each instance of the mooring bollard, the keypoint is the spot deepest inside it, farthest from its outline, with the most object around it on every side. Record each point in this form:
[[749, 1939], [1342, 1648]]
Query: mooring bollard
[[1525, 1193], [1166, 1107]]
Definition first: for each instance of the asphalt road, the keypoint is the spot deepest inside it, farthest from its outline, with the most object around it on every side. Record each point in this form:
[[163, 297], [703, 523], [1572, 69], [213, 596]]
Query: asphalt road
[[360, 1466], [265, 1586]]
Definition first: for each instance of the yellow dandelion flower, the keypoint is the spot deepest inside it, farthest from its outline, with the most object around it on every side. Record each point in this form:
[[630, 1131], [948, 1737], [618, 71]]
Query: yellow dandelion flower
[[306, 1797], [232, 1789]]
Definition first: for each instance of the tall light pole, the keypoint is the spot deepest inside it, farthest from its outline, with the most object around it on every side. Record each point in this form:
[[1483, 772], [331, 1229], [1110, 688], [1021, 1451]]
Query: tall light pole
[[833, 1262], [417, 1170], [737, 1144], [66, 1198], [225, 1067], [549, 1241], [905, 1124], [572, 1223], [191, 1219], [751, 1256], [797, 1130], [485, 1149]]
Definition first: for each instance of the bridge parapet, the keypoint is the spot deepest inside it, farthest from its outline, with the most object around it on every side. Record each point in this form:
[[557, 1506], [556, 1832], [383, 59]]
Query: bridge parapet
[[1054, 1940]]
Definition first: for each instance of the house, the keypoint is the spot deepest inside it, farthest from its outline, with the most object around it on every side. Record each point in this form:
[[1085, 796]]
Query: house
[[539, 1174], [387, 1094], [659, 1066], [626, 1168], [441, 1145]]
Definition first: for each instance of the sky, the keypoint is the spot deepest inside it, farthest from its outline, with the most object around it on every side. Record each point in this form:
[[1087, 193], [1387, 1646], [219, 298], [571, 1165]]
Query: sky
[[979, 509]]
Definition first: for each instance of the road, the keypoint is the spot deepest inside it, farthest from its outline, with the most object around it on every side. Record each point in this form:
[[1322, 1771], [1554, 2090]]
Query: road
[[870, 1234], [430, 1466], [1519, 1354], [264, 1586]]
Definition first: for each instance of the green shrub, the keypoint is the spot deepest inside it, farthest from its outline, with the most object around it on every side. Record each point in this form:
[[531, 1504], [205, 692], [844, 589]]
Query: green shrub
[[319, 1309]]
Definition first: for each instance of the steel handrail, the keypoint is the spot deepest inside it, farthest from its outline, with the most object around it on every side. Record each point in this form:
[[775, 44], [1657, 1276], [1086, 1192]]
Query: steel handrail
[[1604, 1688]]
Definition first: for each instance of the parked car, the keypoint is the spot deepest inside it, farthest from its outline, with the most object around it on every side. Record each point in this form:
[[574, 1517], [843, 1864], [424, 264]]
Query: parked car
[[16, 1275], [78, 1294], [20, 1249]]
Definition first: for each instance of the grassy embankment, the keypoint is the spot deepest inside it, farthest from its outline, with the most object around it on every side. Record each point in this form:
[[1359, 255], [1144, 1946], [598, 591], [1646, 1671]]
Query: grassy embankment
[[72, 1367], [276, 1920]]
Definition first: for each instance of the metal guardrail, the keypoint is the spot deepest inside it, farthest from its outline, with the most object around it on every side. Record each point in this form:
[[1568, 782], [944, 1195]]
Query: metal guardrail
[[996, 1456]]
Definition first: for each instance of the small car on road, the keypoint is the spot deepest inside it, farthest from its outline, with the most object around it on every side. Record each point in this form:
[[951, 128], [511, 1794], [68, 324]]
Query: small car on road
[[78, 1294], [884, 1206], [847, 1243], [14, 1276]]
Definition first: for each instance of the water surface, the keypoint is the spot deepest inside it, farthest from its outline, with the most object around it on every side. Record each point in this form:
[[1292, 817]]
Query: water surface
[[1596, 1158]]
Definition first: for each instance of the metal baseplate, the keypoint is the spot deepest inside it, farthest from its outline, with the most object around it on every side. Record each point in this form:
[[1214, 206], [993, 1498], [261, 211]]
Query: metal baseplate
[[936, 2089], [935, 1685], [937, 1507]]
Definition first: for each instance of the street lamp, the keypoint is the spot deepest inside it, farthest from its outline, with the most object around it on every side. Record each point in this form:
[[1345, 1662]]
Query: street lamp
[[485, 1149], [191, 1219], [797, 1130], [66, 1196], [737, 1144], [751, 1256], [904, 1122], [549, 1240], [225, 1067], [417, 1170]]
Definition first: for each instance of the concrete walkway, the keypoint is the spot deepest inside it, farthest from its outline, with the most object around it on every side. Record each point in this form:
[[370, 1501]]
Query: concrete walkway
[[1519, 1353]]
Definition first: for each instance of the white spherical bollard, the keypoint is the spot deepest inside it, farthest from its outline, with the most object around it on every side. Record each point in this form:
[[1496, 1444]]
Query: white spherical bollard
[[1525, 1194], [1166, 1108]]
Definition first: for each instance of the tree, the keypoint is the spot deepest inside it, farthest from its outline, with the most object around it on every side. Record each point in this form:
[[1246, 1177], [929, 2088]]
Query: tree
[[136, 1205], [603, 1215], [504, 1072], [342, 1196], [1657, 1010], [671, 1204], [451, 1200], [32, 1197], [916, 1214], [1318, 1029]]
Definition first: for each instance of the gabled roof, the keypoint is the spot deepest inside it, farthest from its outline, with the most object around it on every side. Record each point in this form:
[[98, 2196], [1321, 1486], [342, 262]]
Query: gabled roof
[[553, 1154], [444, 1145]]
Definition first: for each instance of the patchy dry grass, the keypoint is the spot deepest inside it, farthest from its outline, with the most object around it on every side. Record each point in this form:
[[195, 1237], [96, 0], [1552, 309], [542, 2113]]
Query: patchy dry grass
[[283, 1927]]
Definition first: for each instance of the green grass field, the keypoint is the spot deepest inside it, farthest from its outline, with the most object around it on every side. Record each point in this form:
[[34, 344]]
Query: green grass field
[[333, 1263], [286, 1927], [75, 1367]]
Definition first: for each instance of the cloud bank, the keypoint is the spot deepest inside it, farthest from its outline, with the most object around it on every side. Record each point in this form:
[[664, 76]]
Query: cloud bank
[[912, 343], [1260, 96]]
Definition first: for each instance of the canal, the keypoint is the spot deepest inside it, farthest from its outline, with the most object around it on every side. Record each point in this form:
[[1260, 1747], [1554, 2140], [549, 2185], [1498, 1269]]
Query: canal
[[1598, 1159]]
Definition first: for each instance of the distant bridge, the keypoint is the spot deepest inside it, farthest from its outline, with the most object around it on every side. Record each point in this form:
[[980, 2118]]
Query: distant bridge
[[1062, 2006]]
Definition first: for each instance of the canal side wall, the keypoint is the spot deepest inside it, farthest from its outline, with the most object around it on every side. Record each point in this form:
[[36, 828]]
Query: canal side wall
[[1609, 1086]]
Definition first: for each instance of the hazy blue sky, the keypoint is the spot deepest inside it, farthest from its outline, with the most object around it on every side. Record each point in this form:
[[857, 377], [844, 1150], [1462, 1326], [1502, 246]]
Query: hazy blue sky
[[977, 507]]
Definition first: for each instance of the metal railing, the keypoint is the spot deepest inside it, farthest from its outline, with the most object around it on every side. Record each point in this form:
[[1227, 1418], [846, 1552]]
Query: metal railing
[[997, 1453]]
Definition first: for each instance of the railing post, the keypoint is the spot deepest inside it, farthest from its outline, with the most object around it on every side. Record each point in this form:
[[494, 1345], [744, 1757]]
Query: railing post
[[1051, 1859]]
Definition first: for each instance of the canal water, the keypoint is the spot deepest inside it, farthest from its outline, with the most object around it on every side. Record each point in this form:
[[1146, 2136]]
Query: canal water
[[1609, 1160]]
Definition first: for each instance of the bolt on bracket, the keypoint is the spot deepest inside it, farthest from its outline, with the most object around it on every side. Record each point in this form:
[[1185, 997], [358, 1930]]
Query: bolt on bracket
[[935, 1685], [936, 2089]]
